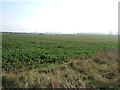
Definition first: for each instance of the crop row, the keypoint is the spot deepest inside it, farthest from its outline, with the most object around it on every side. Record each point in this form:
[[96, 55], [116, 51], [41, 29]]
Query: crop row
[[36, 50]]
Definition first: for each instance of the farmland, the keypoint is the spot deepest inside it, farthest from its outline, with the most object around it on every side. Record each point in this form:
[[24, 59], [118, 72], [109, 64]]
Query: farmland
[[80, 59]]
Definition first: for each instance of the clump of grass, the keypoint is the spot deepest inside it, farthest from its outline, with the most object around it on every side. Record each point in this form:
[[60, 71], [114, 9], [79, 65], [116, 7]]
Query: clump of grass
[[34, 79], [101, 70]]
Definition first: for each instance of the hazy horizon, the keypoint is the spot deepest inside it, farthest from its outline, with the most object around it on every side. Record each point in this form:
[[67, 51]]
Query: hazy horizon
[[63, 16]]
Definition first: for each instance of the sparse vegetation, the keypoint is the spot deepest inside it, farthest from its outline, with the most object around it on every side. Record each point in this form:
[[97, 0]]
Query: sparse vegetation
[[60, 61]]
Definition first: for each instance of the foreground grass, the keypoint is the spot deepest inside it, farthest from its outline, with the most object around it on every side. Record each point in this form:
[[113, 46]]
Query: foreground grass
[[99, 71]]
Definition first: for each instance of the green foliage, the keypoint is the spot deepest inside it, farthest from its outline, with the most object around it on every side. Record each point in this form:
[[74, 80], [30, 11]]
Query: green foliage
[[33, 50]]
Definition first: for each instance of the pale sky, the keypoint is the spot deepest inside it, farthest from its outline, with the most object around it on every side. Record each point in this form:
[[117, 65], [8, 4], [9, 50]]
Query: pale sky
[[65, 16]]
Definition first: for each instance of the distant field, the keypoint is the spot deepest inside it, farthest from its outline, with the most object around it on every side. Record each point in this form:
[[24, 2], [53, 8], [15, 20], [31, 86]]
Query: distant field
[[33, 52], [19, 50]]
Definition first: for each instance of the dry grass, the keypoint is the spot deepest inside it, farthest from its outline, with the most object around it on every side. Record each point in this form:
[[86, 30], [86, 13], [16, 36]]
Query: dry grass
[[100, 71]]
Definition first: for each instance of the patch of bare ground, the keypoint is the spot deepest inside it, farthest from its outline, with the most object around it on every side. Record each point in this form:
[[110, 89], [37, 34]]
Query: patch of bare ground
[[100, 71]]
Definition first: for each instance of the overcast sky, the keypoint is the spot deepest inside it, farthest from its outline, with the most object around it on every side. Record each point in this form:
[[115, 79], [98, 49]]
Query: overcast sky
[[66, 16]]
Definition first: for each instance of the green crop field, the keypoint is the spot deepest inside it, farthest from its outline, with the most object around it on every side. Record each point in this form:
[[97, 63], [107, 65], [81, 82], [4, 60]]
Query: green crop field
[[58, 55]]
